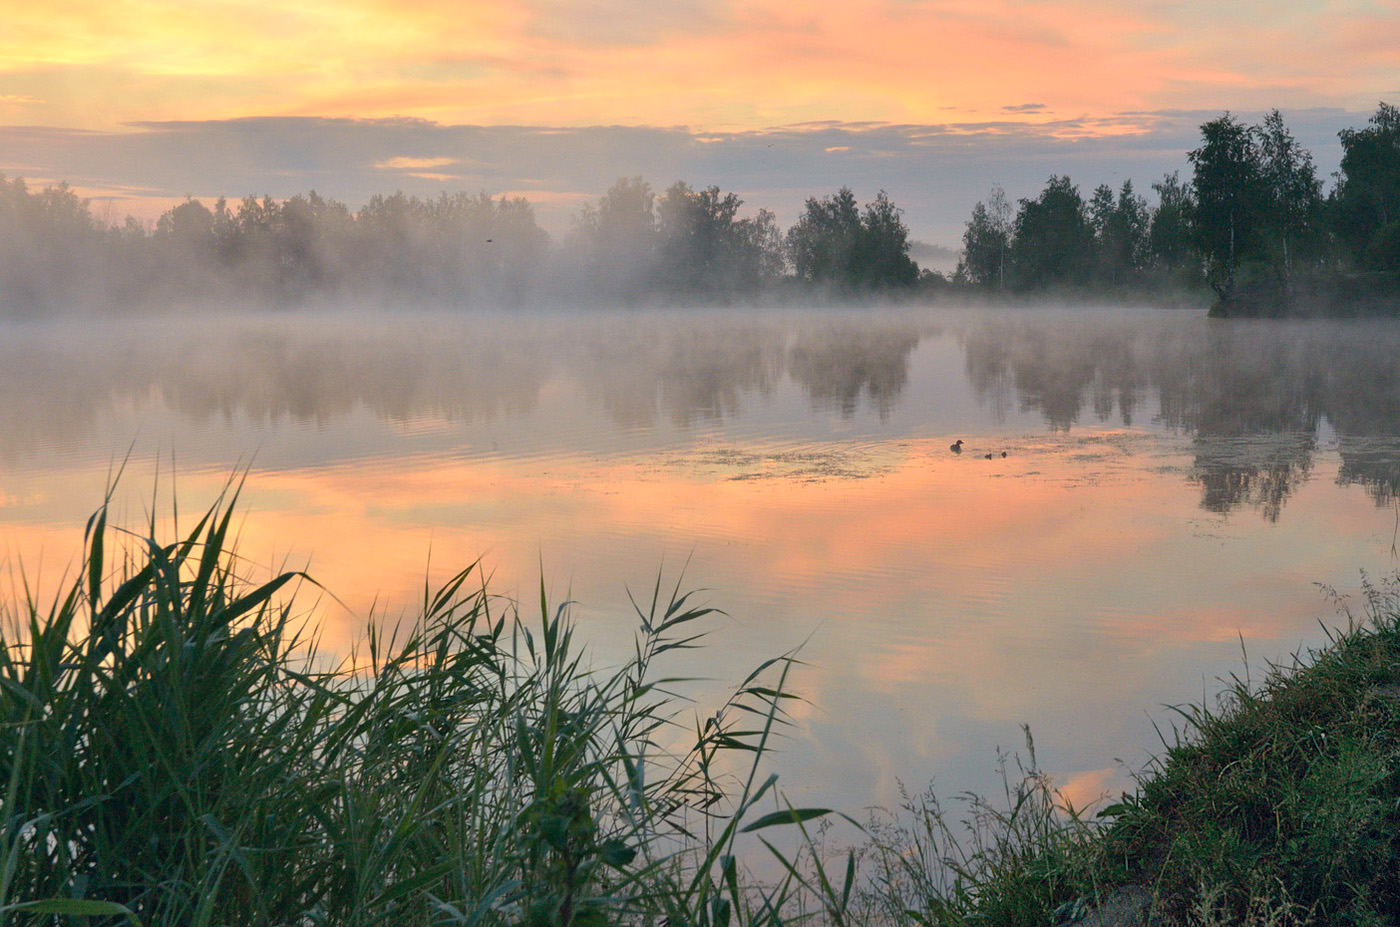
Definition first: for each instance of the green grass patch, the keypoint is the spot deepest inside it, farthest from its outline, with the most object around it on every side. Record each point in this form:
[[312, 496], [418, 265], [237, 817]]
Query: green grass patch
[[1278, 805]]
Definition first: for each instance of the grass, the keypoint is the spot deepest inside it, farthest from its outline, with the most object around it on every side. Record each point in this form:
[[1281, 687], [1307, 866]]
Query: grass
[[1286, 794], [175, 750], [1279, 805], [171, 754]]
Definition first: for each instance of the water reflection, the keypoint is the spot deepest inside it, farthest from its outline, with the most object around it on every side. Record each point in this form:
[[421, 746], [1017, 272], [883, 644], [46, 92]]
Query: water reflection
[[642, 369], [799, 462], [1255, 399], [842, 365], [1057, 365], [1253, 396]]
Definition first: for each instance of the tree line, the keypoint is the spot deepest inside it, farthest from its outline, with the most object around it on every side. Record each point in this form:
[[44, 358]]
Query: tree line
[[1252, 224], [634, 244]]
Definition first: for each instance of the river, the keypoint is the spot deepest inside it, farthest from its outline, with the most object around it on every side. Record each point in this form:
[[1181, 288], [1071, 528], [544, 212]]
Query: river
[[1145, 500]]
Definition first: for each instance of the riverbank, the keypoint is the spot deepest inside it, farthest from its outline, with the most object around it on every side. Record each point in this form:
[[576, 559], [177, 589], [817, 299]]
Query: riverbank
[[1278, 805], [1330, 294]]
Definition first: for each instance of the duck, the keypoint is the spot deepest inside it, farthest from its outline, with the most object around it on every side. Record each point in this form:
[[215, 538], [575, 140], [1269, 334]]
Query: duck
[[987, 456], [956, 446], [1003, 453]]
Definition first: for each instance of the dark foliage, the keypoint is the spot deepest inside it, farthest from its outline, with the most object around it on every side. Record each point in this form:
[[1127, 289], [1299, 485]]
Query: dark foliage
[[834, 242]]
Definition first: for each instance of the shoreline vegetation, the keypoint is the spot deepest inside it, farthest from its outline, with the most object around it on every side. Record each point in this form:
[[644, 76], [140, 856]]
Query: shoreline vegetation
[[174, 750], [1249, 233]]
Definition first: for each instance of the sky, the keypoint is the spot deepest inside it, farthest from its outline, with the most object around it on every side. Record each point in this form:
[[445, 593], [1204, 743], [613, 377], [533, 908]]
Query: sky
[[140, 103]]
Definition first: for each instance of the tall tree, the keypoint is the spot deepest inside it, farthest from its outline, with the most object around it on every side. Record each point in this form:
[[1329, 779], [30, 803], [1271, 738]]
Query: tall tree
[[697, 238], [882, 253], [835, 242], [1121, 228], [822, 243], [1053, 241], [1226, 187], [986, 240], [1367, 199], [1169, 238], [705, 248], [618, 240], [1292, 195]]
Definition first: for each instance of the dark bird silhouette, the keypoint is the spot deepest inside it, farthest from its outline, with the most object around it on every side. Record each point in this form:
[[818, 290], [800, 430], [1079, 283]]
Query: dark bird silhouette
[[956, 446], [987, 456], [1003, 453]]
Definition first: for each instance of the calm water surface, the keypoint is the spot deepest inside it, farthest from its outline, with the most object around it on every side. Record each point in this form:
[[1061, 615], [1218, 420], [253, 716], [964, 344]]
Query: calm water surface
[[1172, 486]]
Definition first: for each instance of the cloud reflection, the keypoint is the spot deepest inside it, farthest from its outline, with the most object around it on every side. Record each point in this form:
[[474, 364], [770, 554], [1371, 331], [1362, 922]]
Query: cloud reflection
[[798, 464]]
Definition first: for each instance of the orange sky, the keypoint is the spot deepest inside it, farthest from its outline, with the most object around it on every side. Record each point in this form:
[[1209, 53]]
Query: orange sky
[[702, 63], [138, 104]]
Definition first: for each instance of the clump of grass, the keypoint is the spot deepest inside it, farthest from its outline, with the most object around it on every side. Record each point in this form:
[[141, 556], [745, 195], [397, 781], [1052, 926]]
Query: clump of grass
[[172, 752], [1020, 858], [1278, 805], [1289, 790]]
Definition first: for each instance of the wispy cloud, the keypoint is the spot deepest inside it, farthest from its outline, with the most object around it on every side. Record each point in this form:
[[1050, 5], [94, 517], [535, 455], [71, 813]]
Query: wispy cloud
[[403, 163], [934, 171]]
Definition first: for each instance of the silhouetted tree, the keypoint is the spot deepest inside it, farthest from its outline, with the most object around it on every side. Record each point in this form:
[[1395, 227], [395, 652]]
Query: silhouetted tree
[[988, 235], [186, 253], [1169, 240], [706, 249], [1227, 190], [617, 240], [834, 242], [1121, 229], [882, 248], [1366, 202], [1292, 196], [50, 246], [1053, 241], [822, 243]]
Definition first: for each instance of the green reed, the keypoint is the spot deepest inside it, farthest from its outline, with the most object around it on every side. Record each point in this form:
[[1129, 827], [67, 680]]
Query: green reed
[[174, 751]]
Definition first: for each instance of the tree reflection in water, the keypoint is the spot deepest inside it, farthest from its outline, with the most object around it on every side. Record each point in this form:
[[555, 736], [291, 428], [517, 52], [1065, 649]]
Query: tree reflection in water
[[1256, 398], [841, 365]]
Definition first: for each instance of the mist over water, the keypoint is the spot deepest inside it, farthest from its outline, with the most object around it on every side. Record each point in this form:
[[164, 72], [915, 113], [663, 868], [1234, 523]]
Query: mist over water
[[1170, 483]]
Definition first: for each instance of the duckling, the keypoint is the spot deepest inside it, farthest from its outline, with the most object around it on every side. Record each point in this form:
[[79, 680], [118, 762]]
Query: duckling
[[987, 456], [956, 446], [1003, 453]]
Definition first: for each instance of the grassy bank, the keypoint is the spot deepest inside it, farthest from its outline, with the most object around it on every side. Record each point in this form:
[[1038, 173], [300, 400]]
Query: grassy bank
[[174, 749], [1279, 805]]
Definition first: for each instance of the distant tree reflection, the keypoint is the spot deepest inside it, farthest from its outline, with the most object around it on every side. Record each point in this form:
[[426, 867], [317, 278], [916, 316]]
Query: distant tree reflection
[[1055, 366], [842, 366], [700, 370], [1255, 397], [1256, 400]]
